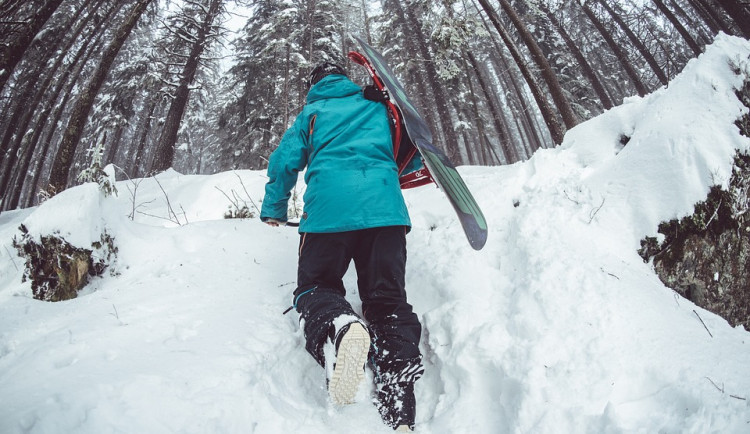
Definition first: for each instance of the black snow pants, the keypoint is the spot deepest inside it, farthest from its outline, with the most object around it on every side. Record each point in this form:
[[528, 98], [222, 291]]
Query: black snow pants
[[379, 256]]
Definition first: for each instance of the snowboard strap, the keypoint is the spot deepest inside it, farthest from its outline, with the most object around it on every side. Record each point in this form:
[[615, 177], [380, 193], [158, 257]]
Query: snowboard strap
[[401, 154]]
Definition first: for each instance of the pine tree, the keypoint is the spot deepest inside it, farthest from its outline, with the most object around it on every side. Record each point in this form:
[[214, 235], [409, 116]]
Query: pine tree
[[197, 27], [64, 157]]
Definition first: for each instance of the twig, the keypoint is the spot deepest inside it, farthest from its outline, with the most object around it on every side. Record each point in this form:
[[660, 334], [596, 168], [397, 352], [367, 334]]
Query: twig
[[11, 257], [609, 273], [594, 212], [704, 324], [184, 214], [720, 389], [116, 315], [133, 194], [716, 211], [234, 201], [248, 194], [169, 219], [565, 192], [170, 210]]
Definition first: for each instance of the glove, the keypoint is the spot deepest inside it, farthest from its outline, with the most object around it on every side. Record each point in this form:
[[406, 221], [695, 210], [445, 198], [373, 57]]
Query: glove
[[372, 93]]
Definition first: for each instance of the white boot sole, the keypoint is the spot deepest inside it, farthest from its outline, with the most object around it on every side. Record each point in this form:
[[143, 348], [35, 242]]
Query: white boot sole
[[349, 371]]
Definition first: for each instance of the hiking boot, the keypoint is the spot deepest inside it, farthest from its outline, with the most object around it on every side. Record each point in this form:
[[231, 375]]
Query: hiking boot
[[352, 343], [394, 387], [397, 405]]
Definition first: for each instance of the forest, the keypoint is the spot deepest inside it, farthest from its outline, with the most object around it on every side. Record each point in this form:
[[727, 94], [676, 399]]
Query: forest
[[205, 86]]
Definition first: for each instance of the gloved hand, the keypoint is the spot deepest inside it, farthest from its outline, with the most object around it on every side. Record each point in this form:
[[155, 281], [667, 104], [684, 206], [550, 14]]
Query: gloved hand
[[273, 222], [374, 94]]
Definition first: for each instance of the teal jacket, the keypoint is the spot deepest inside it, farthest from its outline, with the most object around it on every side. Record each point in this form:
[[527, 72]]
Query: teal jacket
[[344, 141]]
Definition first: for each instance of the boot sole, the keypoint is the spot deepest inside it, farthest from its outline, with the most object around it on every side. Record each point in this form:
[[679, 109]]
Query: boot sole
[[349, 371]]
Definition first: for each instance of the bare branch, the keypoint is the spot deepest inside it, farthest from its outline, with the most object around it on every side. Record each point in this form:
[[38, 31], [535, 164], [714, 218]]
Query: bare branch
[[11, 257], [594, 212], [704, 324], [248, 194], [170, 211]]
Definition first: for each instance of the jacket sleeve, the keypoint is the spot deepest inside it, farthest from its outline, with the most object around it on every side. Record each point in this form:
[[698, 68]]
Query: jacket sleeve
[[284, 166]]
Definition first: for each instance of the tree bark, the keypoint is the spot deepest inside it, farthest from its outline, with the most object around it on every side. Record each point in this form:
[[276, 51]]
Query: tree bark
[[522, 108], [556, 91], [636, 42], [64, 157], [164, 155], [441, 101], [135, 169], [703, 39], [502, 132], [678, 26], [586, 68], [25, 144], [12, 53], [48, 123], [619, 53], [740, 13], [550, 118], [709, 16]]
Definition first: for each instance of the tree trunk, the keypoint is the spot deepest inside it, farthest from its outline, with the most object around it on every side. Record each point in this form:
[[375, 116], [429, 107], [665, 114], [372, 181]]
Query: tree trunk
[[501, 63], [25, 144], [12, 53], [7, 150], [135, 168], [586, 68], [636, 42], [709, 16], [619, 53], [63, 87], [164, 155], [495, 114], [550, 118], [114, 146], [423, 98], [703, 39], [740, 13], [441, 101], [366, 18], [79, 115], [678, 26], [556, 91]]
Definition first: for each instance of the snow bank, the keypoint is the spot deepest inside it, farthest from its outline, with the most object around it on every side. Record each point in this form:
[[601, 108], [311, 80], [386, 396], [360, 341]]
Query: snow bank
[[556, 326]]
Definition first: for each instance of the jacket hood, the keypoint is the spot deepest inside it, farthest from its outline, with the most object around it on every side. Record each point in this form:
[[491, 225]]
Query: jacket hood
[[332, 86]]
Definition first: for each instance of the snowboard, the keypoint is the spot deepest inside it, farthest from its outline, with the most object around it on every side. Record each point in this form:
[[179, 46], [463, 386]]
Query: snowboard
[[418, 137]]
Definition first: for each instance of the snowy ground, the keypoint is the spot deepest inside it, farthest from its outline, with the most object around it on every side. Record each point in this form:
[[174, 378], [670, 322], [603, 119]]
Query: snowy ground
[[557, 326]]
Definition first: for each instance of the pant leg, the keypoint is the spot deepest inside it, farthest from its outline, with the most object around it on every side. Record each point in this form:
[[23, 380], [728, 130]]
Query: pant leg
[[320, 294], [380, 259]]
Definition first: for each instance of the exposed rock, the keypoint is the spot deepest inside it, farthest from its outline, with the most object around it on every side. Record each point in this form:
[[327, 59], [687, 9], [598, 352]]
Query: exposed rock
[[57, 269], [705, 257]]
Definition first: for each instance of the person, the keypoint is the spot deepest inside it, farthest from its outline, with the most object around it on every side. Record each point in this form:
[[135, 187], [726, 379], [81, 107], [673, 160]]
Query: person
[[353, 210]]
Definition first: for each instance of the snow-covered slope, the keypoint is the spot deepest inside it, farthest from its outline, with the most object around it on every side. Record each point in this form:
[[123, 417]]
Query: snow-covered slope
[[557, 326]]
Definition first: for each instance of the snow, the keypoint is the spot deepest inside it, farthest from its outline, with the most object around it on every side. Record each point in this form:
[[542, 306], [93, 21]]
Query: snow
[[556, 326]]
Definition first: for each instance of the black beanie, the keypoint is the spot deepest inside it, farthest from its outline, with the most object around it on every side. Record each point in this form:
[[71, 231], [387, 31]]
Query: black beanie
[[324, 69]]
